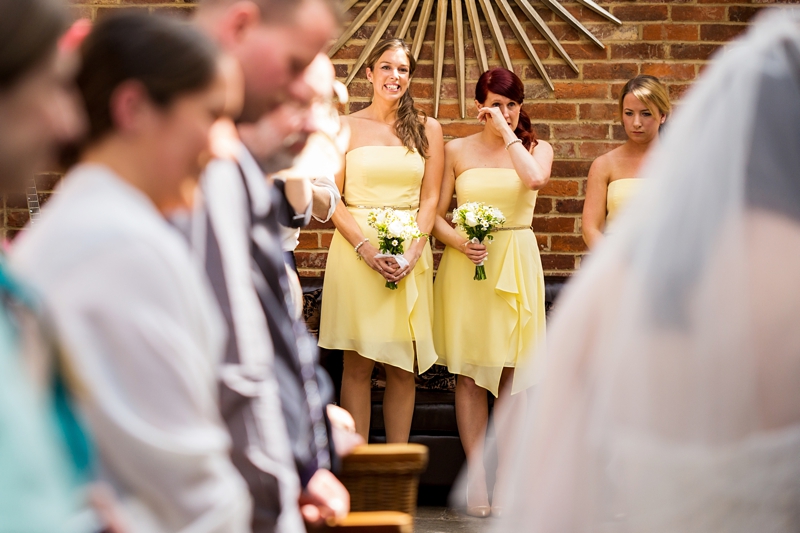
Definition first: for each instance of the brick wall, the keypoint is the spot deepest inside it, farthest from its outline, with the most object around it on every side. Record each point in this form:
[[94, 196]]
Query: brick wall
[[671, 39]]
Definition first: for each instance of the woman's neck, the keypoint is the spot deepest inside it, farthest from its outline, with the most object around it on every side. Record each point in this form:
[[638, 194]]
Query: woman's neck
[[127, 163], [640, 149], [383, 111], [491, 138]]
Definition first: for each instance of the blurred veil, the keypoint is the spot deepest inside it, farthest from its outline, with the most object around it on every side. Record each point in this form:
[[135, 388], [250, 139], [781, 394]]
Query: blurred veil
[[669, 398]]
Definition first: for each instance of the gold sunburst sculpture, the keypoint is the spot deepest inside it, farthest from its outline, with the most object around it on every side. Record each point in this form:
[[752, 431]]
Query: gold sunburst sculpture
[[455, 8]]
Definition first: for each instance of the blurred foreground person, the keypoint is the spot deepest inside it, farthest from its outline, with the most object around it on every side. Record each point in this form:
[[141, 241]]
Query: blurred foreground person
[[313, 150], [44, 455], [143, 333], [273, 399], [670, 399]]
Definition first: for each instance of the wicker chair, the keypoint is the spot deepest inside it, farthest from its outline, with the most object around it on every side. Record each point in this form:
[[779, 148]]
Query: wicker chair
[[373, 522], [384, 477]]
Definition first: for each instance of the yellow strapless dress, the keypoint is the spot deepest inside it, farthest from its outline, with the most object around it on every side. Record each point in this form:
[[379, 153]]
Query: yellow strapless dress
[[618, 195], [358, 312], [480, 327]]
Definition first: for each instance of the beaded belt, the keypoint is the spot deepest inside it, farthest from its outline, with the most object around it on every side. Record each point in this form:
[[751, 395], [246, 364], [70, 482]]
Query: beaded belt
[[396, 207], [511, 228]]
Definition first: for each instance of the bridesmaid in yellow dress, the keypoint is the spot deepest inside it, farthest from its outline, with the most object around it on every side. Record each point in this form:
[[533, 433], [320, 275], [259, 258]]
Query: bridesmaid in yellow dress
[[484, 329], [395, 159], [644, 106]]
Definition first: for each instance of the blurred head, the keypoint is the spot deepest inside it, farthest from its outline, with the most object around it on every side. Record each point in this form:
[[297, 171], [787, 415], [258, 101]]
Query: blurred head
[[501, 88], [37, 99], [274, 41], [279, 137], [644, 106], [390, 67], [154, 86]]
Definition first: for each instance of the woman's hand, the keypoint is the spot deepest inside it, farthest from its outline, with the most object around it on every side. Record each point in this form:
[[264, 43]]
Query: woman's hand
[[475, 251], [385, 266], [495, 116], [411, 256]]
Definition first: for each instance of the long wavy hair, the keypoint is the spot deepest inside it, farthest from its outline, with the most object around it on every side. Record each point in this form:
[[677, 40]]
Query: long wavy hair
[[505, 83], [410, 123]]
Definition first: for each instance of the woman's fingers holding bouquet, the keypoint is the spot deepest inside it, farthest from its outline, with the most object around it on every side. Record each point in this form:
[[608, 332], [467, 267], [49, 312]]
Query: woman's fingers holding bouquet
[[475, 252]]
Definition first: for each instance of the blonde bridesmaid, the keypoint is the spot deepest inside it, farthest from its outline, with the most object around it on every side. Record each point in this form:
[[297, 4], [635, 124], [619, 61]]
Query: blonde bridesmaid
[[644, 106]]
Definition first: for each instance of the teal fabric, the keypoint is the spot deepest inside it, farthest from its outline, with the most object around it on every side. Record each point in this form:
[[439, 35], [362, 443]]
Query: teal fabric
[[44, 454]]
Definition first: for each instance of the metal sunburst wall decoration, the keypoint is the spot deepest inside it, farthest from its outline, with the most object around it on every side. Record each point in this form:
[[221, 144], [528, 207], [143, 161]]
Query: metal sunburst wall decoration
[[454, 8]]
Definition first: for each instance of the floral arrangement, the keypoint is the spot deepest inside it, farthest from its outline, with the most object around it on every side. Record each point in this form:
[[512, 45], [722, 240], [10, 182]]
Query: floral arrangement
[[477, 220], [393, 227]]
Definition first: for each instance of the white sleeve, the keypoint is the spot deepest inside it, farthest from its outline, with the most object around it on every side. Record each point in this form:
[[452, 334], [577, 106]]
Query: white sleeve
[[141, 342], [329, 185]]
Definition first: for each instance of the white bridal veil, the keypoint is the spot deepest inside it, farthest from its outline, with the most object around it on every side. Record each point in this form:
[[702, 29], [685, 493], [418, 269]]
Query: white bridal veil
[[670, 396]]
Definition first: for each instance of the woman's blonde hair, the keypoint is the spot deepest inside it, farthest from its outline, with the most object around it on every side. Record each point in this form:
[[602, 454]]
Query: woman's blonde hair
[[650, 91], [410, 123]]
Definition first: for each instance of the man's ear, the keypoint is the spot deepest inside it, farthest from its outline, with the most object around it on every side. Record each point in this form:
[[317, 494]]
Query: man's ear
[[128, 106], [236, 20]]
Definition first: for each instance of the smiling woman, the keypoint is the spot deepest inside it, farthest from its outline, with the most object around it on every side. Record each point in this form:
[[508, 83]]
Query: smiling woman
[[394, 160], [644, 106]]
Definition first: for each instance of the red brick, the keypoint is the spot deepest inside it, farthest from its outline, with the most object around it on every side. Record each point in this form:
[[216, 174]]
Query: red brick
[[558, 262], [669, 71], [583, 51], [308, 240], [457, 129], [720, 32], [325, 239], [637, 51], [692, 51], [560, 187], [569, 206], [567, 243], [610, 71], [742, 13], [580, 131], [553, 224], [640, 12], [671, 32], [570, 169], [599, 112], [591, 150], [542, 242], [551, 111], [581, 90], [543, 205], [698, 13]]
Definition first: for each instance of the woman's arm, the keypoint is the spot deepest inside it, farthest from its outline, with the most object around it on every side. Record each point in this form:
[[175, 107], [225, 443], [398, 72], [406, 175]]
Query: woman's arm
[[593, 219], [533, 167], [429, 193], [442, 230]]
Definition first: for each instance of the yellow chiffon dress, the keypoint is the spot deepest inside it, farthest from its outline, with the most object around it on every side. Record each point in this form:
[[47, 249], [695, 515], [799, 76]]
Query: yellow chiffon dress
[[358, 312], [480, 327], [618, 195]]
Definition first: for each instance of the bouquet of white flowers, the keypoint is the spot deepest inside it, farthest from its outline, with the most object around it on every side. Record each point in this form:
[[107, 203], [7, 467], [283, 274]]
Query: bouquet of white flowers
[[477, 220], [393, 227]]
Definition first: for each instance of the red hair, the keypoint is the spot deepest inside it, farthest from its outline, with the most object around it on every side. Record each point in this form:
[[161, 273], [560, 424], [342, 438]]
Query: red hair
[[505, 83]]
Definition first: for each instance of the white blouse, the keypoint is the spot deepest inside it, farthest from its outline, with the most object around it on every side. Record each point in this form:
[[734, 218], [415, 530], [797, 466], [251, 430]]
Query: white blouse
[[144, 339]]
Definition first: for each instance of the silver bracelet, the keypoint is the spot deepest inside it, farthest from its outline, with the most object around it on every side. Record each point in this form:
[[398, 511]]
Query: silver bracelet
[[359, 245], [513, 142]]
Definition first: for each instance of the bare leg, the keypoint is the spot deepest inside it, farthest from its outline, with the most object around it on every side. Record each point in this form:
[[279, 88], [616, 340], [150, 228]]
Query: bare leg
[[506, 430], [357, 390], [472, 414], [398, 404]]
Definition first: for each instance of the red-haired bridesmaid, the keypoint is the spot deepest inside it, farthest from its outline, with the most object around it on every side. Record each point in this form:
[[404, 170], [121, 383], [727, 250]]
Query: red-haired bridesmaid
[[484, 329]]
